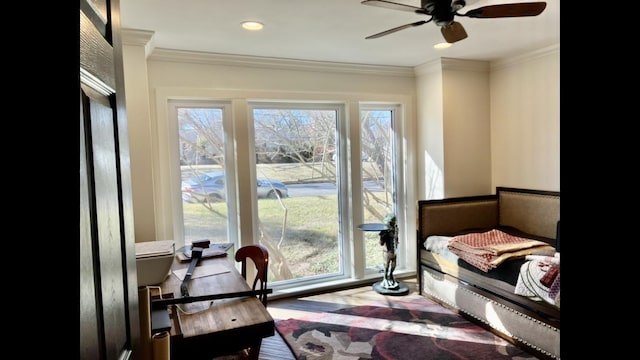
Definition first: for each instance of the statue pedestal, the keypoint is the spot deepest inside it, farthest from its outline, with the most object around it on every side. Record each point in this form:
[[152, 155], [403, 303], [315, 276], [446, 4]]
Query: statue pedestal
[[380, 287], [401, 289]]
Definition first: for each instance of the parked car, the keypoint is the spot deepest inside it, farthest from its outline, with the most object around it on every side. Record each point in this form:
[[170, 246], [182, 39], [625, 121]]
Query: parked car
[[211, 187]]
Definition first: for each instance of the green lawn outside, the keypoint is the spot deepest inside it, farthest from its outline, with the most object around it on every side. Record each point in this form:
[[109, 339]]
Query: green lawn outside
[[308, 242], [306, 252]]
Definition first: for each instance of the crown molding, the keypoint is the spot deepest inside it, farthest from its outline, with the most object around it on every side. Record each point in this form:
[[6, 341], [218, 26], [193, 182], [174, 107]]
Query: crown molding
[[136, 37], [465, 65], [441, 64], [514, 60], [431, 67], [161, 54], [444, 63]]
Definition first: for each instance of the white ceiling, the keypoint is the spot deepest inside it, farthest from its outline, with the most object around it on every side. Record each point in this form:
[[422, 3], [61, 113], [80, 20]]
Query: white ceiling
[[334, 30]]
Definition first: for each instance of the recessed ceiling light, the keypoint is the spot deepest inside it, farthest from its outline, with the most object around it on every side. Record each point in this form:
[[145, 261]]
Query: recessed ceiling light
[[252, 25], [443, 45]]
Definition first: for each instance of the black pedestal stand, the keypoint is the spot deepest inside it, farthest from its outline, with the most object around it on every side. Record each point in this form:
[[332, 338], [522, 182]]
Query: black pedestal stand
[[401, 289]]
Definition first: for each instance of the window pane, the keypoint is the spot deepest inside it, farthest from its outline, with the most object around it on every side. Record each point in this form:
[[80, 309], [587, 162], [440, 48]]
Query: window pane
[[299, 225], [377, 176], [201, 141]]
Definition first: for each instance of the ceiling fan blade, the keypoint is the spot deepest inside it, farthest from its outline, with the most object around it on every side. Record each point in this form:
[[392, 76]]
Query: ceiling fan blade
[[454, 32], [507, 10], [392, 5], [387, 32]]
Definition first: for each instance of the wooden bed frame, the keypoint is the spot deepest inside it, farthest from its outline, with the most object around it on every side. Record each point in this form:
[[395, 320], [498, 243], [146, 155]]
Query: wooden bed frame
[[493, 304]]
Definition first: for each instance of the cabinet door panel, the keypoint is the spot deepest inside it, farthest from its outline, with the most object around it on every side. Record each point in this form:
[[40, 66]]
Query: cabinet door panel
[[90, 335], [109, 328]]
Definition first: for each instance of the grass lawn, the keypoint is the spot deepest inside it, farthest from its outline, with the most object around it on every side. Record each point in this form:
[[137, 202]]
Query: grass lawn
[[308, 243]]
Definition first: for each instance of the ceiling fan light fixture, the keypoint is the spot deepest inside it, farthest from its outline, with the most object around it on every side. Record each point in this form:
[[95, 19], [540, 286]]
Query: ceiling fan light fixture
[[252, 25], [442, 14], [442, 45]]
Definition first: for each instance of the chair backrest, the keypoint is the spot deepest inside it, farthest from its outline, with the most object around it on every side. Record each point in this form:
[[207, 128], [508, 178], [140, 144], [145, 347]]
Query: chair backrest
[[260, 257]]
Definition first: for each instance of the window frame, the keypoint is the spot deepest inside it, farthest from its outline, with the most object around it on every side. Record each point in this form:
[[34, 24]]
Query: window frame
[[168, 199], [397, 171], [345, 271], [229, 156]]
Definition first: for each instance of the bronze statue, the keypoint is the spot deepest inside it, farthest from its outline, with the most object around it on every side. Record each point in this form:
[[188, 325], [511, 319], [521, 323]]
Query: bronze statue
[[389, 243]]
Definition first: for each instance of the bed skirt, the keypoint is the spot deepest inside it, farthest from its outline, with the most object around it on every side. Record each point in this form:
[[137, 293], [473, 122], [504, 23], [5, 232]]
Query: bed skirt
[[510, 322]]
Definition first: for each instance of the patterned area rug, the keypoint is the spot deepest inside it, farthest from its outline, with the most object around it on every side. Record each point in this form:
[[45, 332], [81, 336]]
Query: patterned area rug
[[411, 327]]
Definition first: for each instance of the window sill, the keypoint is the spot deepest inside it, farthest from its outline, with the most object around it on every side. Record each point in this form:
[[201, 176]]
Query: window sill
[[329, 286]]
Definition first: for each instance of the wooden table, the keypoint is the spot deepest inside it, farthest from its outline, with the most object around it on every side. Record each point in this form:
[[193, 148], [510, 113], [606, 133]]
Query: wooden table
[[227, 325]]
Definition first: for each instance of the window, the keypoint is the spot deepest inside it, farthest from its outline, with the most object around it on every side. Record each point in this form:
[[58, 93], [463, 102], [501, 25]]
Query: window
[[201, 145], [303, 232], [377, 148], [304, 181]]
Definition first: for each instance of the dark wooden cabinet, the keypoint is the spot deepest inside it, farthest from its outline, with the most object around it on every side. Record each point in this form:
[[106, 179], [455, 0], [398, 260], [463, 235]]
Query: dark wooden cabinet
[[109, 325]]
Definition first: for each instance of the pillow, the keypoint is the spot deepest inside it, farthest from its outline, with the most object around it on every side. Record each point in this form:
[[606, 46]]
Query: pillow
[[437, 244]]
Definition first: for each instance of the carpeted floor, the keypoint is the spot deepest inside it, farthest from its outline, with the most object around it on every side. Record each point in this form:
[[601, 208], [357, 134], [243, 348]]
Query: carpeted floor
[[410, 327]]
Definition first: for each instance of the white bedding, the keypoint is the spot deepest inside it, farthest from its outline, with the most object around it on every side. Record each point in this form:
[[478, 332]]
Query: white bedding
[[537, 272], [437, 244]]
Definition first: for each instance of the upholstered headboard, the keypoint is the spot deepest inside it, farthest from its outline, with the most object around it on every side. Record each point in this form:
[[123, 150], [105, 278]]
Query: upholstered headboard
[[454, 215], [532, 211], [535, 212]]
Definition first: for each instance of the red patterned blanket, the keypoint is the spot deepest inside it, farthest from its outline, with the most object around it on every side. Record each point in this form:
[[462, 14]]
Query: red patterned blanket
[[489, 249]]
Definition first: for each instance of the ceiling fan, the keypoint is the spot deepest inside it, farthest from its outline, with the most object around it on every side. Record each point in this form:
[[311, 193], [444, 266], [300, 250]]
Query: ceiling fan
[[442, 13]]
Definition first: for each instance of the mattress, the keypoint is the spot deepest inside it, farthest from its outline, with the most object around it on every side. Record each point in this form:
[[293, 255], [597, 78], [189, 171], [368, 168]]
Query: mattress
[[501, 280], [507, 272]]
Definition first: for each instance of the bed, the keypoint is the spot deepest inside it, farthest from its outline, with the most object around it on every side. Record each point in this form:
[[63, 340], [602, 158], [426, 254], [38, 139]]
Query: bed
[[496, 259]]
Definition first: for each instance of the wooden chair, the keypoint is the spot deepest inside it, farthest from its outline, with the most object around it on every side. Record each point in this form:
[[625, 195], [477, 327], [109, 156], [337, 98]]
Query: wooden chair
[[260, 257]]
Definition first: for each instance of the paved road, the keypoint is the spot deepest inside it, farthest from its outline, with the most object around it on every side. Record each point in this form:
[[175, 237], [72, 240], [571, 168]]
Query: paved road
[[316, 189]]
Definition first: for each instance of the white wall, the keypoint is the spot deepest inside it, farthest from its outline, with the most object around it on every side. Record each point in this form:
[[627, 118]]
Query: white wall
[[467, 128], [454, 128], [135, 51], [525, 121], [430, 131], [483, 125]]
